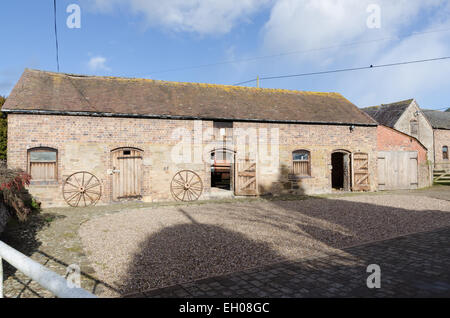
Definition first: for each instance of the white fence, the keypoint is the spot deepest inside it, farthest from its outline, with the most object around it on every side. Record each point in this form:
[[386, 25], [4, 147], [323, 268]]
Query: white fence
[[51, 281]]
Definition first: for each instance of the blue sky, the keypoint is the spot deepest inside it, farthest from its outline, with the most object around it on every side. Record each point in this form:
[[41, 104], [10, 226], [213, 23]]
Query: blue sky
[[149, 38]]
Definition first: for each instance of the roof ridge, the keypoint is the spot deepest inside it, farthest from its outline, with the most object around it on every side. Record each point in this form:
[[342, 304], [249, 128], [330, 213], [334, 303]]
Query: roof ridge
[[223, 86], [381, 106], [399, 102], [435, 110]]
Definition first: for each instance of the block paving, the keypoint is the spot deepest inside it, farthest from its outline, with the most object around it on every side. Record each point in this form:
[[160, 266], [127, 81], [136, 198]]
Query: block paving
[[415, 265]]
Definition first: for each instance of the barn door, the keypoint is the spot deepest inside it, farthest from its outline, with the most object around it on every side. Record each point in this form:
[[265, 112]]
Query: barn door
[[246, 177], [397, 170], [361, 172], [383, 175], [413, 167], [126, 164]]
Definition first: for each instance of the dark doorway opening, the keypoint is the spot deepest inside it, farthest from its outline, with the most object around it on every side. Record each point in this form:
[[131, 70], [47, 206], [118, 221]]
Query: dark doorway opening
[[340, 173], [221, 169], [337, 175]]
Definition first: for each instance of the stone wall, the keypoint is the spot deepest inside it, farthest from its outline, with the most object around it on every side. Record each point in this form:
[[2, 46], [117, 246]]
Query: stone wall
[[425, 136], [85, 144], [442, 138]]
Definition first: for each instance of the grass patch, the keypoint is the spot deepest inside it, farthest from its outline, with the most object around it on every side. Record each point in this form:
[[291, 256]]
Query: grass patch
[[49, 218], [75, 249], [69, 235]]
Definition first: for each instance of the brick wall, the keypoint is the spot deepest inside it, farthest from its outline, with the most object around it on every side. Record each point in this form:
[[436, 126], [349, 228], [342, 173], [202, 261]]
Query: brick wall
[[393, 140], [85, 144], [321, 141]]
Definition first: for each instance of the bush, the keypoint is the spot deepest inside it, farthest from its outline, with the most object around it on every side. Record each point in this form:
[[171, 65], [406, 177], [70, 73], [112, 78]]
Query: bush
[[13, 193]]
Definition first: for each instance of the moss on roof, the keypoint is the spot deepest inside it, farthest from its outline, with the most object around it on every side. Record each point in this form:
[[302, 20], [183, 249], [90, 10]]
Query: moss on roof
[[58, 92]]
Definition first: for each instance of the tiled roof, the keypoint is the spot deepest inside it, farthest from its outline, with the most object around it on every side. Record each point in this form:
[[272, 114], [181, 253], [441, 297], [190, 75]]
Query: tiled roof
[[46, 92], [388, 114], [438, 119]]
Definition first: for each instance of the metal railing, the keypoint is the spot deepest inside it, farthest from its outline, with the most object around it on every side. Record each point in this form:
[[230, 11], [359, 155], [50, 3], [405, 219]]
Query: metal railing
[[49, 280]]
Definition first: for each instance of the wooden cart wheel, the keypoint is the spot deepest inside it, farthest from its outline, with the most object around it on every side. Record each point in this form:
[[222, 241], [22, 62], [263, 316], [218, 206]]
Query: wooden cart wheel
[[82, 189], [186, 186]]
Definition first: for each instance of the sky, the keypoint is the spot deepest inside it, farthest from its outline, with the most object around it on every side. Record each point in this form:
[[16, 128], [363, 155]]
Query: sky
[[232, 41]]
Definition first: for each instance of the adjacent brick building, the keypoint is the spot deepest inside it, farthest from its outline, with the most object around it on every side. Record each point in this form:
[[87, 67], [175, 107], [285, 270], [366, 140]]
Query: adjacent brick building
[[406, 117], [398, 151], [430, 127], [135, 136]]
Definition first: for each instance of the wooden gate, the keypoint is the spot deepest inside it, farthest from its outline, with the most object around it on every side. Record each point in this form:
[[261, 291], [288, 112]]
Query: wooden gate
[[126, 164], [360, 170], [397, 170], [246, 177]]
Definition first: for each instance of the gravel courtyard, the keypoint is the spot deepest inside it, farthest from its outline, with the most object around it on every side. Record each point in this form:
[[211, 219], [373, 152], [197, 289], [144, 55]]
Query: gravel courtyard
[[153, 247]]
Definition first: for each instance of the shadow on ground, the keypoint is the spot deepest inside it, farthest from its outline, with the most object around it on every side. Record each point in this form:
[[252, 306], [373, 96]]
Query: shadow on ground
[[411, 266], [178, 253], [313, 246], [25, 237], [312, 249]]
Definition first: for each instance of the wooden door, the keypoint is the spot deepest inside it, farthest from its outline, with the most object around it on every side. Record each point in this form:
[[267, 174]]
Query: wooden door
[[360, 172], [347, 171], [397, 170], [127, 177], [382, 171], [246, 177], [413, 171]]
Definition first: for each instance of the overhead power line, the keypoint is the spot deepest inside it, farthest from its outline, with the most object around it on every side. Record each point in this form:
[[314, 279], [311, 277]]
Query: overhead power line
[[56, 36], [263, 57], [345, 70]]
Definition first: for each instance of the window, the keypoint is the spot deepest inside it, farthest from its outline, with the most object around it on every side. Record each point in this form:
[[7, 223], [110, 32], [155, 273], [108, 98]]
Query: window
[[445, 152], [414, 128], [301, 163], [223, 131], [42, 164]]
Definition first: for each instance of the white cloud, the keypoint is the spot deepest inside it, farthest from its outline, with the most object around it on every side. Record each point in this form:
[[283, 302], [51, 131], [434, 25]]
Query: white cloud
[[310, 24], [302, 25], [204, 17], [403, 82], [98, 63]]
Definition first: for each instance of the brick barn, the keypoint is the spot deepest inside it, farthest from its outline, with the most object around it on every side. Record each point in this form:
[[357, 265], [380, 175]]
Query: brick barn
[[88, 139], [405, 145], [406, 117], [430, 128], [402, 161]]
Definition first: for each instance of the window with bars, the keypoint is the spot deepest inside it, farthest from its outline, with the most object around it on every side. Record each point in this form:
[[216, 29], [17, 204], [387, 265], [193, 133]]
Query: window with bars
[[43, 164], [223, 131], [414, 128], [445, 152], [301, 163]]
